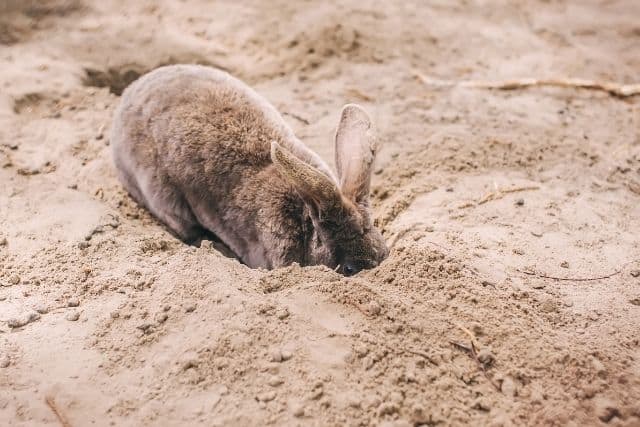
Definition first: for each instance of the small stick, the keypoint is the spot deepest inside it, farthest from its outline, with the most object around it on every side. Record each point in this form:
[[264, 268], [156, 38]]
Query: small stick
[[570, 279], [497, 195], [615, 89], [474, 353], [297, 117], [579, 279], [52, 404]]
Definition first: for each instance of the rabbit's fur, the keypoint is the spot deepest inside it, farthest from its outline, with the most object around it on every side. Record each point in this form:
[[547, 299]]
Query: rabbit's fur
[[203, 151]]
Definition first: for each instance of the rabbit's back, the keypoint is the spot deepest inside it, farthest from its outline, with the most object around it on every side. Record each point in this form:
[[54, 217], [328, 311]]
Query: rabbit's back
[[188, 119]]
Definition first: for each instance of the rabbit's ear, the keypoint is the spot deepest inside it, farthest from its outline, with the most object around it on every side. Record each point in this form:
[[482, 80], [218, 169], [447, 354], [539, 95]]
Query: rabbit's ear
[[312, 185], [355, 153]]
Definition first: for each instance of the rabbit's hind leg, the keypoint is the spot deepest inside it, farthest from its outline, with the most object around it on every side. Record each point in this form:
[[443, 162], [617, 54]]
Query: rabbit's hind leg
[[171, 208]]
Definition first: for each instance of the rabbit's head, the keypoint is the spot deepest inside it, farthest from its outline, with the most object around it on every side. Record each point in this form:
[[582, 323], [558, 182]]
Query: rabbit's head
[[343, 235]]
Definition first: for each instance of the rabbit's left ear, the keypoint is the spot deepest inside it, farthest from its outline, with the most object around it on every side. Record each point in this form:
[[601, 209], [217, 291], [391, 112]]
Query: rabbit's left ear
[[355, 152]]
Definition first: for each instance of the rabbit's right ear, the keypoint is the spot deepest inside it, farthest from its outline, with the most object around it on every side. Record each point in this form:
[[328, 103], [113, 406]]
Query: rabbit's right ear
[[312, 185], [355, 152]]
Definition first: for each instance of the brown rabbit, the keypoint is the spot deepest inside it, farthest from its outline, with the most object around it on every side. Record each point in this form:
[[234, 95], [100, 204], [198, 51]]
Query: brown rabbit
[[204, 152]]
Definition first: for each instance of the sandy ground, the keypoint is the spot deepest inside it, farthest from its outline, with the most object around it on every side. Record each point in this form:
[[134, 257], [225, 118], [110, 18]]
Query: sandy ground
[[114, 322]]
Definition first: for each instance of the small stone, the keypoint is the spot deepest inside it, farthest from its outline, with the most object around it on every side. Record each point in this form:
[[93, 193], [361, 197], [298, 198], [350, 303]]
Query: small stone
[[115, 314], [520, 202], [161, 317], [18, 322], [508, 387], [387, 408], [72, 316], [4, 361], [282, 313], [564, 264], [84, 245], [316, 393], [429, 229], [73, 302], [14, 280], [166, 308], [481, 404], [145, 327], [42, 309], [486, 283], [190, 308], [298, 410], [419, 415], [518, 251], [635, 273], [598, 366], [635, 301], [374, 308], [3, 241], [275, 381], [275, 355], [486, 357], [548, 306], [605, 409], [189, 360], [267, 396], [286, 355]]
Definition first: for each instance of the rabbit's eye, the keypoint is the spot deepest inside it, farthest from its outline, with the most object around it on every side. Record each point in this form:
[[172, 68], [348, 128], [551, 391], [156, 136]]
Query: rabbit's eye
[[349, 269]]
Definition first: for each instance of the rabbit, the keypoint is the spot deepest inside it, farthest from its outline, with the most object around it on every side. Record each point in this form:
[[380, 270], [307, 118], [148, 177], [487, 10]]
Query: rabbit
[[203, 152]]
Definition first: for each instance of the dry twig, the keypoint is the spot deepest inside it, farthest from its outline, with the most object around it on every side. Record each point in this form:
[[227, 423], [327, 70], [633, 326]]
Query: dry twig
[[615, 89], [472, 350], [578, 279], [497, 195], [52, 404]]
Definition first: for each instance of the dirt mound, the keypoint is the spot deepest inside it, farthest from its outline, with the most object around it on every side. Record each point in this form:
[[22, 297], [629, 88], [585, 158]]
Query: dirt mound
[[510, 296]]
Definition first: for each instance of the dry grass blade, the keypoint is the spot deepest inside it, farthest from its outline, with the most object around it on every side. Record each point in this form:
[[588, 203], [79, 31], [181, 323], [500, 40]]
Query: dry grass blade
[[615, 89], [52, 404]]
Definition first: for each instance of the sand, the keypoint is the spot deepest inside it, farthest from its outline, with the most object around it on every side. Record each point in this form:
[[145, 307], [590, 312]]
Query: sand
[[511, 295]]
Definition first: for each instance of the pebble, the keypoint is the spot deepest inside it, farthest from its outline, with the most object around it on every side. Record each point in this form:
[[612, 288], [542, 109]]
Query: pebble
[[18, 322], [14, 280], [564, 264], [374, 308], [481, 404], [190, 308], [72, 316], [166, 308], [145, 327], [520, 202], [84, 245], [282, 313], [4, 361], [508, 387], [275, 381], [635, 273], [298, 410], [3, 241], [42, 309], [161, 317], [115, 314], [286, 354], [267, 396], [73, 302], [486, 357], [275, 355], [605, 409]]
